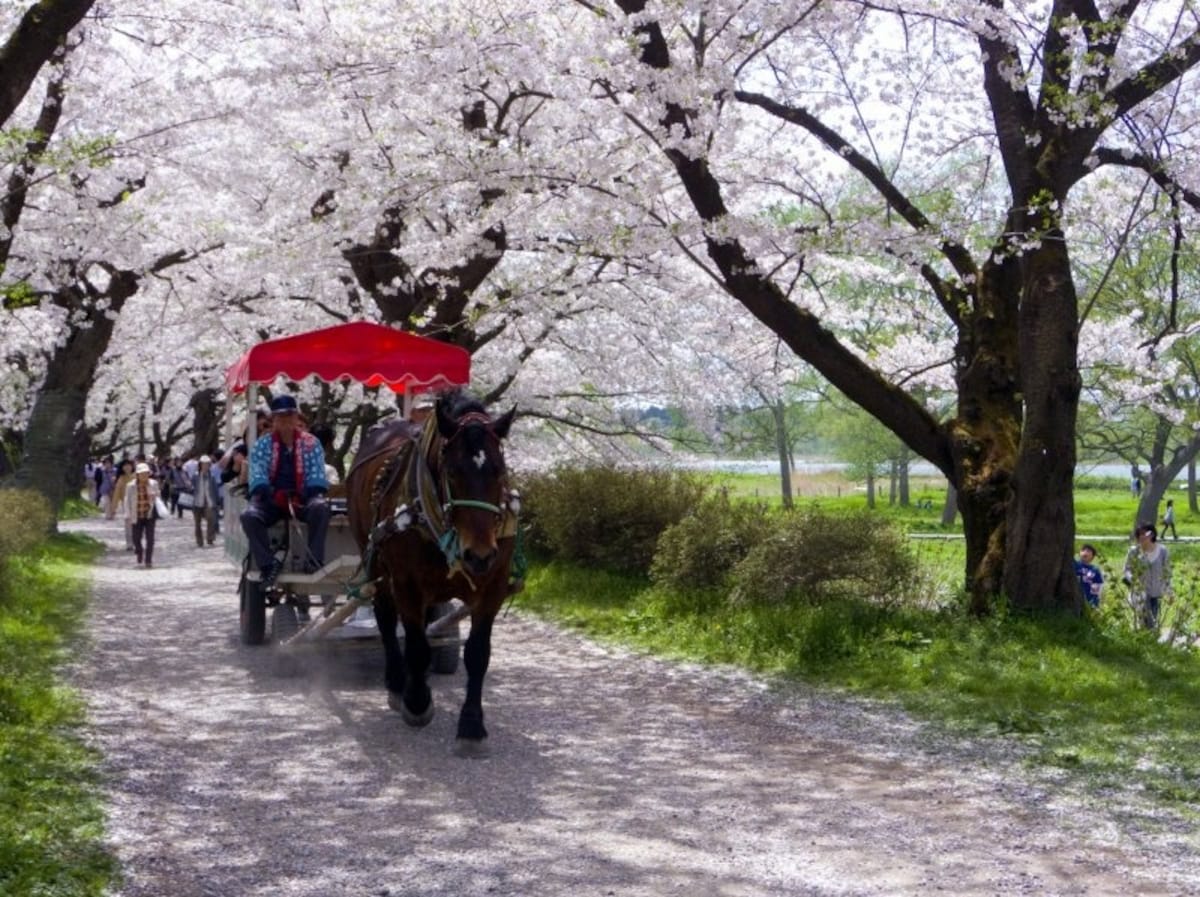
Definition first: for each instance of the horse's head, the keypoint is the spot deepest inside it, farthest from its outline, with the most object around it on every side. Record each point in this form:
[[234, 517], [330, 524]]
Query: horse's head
[[475, 476]]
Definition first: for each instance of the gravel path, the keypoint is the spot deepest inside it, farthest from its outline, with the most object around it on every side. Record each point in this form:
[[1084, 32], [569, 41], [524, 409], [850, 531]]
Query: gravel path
[[610, 773]]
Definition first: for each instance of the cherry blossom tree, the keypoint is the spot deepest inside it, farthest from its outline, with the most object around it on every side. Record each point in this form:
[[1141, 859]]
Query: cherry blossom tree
[[1140, 353], [1038, 98]]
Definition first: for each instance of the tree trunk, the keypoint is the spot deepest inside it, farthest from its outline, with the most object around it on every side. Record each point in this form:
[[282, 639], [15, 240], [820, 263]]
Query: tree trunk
[[781, 444], [950, 509], [56, 445], [893, 474], [1038, 568], [51, 449], [207, 422], [905, 496], [1152, 495], [871, 489], [41, 29], [1193, 506], [987, 428]]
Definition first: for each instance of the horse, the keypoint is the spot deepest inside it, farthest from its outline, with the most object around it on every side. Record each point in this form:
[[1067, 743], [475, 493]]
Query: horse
[[433, 513]]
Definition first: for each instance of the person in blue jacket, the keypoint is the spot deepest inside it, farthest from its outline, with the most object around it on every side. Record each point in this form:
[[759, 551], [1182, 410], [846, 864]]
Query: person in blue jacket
[[1091, 580], [287, 478]]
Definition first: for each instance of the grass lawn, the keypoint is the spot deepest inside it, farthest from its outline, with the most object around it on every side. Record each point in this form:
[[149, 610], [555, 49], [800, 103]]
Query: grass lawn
[[51, 818]]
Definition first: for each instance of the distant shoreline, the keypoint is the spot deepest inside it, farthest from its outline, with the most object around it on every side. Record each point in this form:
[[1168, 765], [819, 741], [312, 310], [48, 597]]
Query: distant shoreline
[[825, 465]]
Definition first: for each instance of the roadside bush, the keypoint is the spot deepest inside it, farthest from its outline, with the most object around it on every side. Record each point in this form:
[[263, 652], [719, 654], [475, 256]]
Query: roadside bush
[[25, 520], [816, 557], [701, 550], [605, 516]]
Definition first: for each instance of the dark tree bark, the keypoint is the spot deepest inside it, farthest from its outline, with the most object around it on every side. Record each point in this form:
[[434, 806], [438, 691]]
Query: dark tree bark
[[1041, 516], [1193, 504], [12, 203], [779, 416], [1165, 466], [53, 444], [56, 445], [38, 35], [950, 508], [440, 294], [206, 422]]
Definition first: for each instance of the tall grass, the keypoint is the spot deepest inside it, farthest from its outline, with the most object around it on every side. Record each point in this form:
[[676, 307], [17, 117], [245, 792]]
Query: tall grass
[[51, 818]]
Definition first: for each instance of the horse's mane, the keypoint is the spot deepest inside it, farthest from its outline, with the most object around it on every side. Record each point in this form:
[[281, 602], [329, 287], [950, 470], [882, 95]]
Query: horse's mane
[[458, 402]]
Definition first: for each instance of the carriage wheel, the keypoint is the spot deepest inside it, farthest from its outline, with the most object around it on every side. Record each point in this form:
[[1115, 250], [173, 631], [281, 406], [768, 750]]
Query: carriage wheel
[[254, 613], [284, 623], [444, 658]]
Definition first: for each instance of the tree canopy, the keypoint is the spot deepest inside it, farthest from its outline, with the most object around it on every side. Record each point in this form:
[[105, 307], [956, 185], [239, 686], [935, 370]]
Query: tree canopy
[[610, 204]]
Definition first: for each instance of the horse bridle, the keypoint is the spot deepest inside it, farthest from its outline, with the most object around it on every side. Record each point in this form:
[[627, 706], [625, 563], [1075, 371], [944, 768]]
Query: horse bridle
[[442, 533], [481, 419]]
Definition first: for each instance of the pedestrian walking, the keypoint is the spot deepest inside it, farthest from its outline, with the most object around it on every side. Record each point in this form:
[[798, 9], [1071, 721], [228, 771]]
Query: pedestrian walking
[[141, 501], [1168, 520], [124, 477], [204, 503]]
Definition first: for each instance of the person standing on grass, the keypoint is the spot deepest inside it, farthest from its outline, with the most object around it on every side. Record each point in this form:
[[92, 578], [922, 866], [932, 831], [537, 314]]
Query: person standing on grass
[[1148, 574], [1091, 580], [1168, 520]]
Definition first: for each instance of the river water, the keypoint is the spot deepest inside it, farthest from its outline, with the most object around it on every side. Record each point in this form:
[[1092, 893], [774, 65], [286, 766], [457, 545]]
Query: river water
[[824, 465]]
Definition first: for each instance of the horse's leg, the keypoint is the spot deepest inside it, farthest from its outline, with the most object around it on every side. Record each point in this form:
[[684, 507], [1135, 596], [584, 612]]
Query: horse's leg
[[417, 706], [477, 653], [393, 657]]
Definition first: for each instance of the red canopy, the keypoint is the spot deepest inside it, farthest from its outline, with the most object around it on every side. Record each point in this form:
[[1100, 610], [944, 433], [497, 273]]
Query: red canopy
[[370, 353]]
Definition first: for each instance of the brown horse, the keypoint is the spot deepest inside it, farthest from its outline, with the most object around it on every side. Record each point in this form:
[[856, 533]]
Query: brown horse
[[433, 514]]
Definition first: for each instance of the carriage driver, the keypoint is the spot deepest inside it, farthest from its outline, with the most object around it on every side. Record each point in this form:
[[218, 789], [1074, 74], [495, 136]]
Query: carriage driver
[[287, 476]]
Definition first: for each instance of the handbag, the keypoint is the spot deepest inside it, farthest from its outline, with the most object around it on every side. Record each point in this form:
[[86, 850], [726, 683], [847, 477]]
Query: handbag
[[161, 511], [186, 500]]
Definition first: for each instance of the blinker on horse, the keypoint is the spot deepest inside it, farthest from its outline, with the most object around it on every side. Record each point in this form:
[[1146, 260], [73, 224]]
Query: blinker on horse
[[435, 518]]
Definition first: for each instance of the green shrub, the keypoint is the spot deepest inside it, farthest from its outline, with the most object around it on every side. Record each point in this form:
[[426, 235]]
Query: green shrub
[[605, 516], [815, 556], [25, 520], [701, 550]]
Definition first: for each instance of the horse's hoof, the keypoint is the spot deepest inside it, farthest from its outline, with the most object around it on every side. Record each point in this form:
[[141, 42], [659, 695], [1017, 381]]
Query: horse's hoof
[[417, 720], [396, 702], [471, 748]]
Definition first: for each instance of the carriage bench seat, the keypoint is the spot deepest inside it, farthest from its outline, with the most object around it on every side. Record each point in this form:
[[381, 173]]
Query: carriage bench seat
[[341, 556]]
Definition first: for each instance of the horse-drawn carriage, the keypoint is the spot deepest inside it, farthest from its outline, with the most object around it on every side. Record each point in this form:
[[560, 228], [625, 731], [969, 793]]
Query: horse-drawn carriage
[[328, 604], [429, 520]]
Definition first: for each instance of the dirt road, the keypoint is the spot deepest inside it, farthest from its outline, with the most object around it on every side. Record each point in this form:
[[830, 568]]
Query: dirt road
[[609, 774]]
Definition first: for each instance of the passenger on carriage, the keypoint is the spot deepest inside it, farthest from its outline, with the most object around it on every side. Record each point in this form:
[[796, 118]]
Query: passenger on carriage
[[234, 464], [324, 434], [287, 477], [422, 407]]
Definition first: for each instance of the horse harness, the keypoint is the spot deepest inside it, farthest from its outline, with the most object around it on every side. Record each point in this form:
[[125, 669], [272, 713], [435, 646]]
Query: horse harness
[[423, 497]]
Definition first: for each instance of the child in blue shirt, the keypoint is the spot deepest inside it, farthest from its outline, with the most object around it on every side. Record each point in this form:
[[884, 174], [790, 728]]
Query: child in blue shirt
[[1090, 577]]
